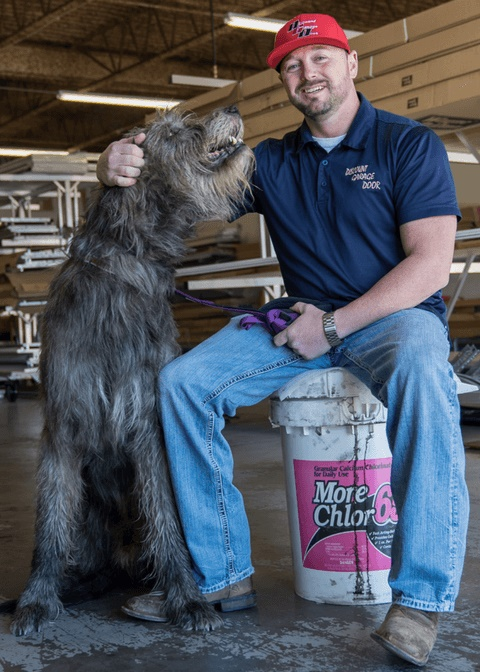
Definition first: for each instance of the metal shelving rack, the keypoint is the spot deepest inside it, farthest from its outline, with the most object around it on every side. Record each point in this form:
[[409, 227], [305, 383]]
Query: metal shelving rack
[[40, 243]]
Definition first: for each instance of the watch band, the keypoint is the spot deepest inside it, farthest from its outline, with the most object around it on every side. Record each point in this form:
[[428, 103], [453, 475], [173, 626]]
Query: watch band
[[330, 330]]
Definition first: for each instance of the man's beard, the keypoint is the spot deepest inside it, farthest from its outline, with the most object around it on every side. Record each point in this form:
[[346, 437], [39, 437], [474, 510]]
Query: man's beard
[[318, 110], [314, 112]]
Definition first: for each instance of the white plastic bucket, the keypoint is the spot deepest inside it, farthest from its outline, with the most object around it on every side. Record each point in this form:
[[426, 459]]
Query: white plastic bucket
[[337, 468]]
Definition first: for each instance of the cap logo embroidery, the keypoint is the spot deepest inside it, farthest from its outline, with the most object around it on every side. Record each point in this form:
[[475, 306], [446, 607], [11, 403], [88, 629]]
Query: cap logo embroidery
[[300, 29], [303, 30]]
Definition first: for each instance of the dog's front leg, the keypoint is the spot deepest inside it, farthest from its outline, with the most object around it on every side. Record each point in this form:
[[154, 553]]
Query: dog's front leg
[[164, 544], [58, 502]]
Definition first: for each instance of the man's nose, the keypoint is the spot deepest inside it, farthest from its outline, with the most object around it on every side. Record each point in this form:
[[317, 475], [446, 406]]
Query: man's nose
[[310, 70]]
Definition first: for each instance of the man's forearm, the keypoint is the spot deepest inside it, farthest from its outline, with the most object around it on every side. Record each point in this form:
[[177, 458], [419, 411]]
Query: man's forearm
[[405, 286]]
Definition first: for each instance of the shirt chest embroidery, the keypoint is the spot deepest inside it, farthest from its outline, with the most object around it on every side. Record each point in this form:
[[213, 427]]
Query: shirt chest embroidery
[[365, 176]]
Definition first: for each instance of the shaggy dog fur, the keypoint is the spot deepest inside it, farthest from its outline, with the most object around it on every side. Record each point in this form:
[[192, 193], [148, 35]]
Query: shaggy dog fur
[[104, 495]]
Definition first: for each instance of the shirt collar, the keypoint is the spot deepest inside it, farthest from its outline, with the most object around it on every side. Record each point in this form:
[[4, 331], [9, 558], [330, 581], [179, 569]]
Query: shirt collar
[[358, 132]]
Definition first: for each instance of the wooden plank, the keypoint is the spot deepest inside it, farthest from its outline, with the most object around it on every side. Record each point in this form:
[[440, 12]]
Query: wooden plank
[[237, 281]]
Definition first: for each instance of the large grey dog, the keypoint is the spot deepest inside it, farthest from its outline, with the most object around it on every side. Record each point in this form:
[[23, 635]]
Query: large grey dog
[[104, 495]]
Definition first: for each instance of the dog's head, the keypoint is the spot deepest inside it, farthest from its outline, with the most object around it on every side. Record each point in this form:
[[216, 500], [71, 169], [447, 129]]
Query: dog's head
[[224, 129], [201, 163]]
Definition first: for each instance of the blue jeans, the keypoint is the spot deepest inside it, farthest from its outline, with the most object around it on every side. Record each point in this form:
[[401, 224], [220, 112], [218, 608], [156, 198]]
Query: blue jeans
[[403, 359]]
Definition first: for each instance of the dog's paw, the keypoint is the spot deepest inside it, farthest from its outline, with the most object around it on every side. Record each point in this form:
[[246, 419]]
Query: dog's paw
[[198, 616], [33, 617]]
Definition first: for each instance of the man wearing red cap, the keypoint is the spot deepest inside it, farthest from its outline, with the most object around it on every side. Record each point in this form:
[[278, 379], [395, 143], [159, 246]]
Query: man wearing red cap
[[361, 208]]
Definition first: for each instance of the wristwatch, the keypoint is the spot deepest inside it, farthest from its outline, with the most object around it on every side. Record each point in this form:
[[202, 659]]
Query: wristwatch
[[330, 330]]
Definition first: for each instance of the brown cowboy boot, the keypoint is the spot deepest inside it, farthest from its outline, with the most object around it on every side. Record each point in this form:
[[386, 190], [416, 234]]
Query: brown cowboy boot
[[409, 633], [150, 607]]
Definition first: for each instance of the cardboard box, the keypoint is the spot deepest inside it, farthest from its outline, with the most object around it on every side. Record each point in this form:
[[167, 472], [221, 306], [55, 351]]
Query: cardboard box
[[205, 102], [277, 134], [415, 27], [31, 284], [438, 18], [273, 98], [259, 83], [423, 74], [385, 37], [268, 122], [470, 218], [457, 97], [449, 40], [467, 179], [365, 68]]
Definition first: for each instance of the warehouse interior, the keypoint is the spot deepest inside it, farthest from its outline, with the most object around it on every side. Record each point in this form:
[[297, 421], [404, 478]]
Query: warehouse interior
[[418, 58]]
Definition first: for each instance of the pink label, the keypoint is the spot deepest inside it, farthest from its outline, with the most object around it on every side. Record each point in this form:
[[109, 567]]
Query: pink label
[[346, 513]]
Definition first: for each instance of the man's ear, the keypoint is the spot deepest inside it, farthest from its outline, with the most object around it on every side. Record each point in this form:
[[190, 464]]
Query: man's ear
[[353, 64]]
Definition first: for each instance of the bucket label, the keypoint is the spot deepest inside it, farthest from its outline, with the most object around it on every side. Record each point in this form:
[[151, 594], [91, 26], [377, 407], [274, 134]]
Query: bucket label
[[346, 514]]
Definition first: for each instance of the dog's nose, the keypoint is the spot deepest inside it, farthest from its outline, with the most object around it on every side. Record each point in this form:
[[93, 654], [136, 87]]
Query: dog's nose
[[233, 109]]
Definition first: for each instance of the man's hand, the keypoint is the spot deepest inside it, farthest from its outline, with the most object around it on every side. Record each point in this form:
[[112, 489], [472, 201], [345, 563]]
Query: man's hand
[[305, 336], [120, 164]]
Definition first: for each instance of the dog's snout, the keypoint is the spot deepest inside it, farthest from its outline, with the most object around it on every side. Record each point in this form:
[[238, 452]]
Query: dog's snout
[[232, 109]]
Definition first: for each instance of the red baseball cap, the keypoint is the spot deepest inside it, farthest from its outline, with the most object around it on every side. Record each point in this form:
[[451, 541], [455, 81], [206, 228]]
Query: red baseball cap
[[303, 30]]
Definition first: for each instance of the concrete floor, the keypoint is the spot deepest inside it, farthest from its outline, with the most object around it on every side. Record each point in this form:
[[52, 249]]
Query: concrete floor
[[284, 634]]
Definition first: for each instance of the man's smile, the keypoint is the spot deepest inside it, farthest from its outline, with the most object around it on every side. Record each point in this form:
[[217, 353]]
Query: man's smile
[[313, 89]]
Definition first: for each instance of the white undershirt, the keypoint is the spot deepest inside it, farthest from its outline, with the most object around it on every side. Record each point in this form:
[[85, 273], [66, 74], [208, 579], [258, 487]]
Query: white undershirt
[[329, 143]]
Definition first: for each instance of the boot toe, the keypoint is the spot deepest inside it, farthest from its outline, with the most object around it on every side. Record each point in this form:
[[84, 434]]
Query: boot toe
[[408, 633]]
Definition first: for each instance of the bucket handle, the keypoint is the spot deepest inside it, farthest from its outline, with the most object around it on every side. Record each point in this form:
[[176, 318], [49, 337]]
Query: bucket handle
[[368, 414]]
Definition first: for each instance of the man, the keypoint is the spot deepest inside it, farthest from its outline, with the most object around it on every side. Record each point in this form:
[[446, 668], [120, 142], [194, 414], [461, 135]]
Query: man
[[361, 209]]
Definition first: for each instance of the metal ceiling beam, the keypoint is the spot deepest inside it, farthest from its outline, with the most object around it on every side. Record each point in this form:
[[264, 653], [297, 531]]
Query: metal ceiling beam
[[169, 53], [176, 50], [190, 7], [40, 24]]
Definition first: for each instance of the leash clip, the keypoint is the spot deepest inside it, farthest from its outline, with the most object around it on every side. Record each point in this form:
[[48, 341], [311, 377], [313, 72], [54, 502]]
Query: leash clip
[[274, 320]]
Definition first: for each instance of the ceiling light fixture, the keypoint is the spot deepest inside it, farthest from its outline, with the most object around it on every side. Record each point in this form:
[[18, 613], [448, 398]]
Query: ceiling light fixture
[[249, 22], [235, 20], [11, 151], [114, 99], [210, 82]]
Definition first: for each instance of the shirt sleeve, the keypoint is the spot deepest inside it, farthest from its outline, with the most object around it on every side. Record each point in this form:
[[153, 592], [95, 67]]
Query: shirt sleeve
[[424, 185]]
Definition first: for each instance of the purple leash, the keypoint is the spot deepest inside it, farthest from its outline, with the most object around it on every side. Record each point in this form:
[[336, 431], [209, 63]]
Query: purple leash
[[274, 320]]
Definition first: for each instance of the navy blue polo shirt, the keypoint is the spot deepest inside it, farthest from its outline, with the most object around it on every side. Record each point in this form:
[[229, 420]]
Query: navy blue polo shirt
[[334, 218]]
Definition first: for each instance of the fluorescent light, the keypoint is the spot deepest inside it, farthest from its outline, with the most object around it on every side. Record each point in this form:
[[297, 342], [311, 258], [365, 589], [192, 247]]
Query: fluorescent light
[[249, 22], [252, 22], [10, 151], [113, 99], [211, 82], [461, 157]]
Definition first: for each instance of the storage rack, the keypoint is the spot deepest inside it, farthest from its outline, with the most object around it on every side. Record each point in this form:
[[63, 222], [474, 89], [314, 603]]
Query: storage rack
[[38, 244]]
